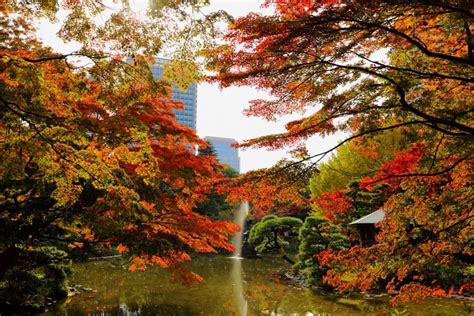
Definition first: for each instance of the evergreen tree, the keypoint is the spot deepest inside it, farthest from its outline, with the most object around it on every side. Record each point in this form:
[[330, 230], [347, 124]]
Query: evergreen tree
[[275, 234], [207, 151], [364, 200], [316, 235]]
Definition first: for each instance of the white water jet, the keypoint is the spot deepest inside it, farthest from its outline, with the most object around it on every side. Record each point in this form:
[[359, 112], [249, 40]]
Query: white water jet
[[239, 219], [237, 277]]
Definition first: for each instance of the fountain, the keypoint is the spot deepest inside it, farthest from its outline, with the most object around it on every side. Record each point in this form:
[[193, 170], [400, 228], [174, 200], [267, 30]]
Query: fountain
[[239, 219], [237, 278]]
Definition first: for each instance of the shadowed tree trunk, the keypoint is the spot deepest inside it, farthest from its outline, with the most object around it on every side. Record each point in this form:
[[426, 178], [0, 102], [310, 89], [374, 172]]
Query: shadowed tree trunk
[[8, 258]]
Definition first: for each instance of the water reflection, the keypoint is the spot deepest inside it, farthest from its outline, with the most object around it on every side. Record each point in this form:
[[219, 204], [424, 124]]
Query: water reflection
[[237, 282], [136, 310], [232, 287], [236, 274]]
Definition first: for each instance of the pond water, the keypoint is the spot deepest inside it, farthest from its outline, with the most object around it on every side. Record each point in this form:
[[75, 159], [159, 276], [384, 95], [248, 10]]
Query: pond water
[[232, 287]]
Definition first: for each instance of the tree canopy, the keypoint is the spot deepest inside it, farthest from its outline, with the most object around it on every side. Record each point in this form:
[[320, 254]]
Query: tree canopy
[[320, 57], [91, 150], [275, 234], [369, 69], [353, 161]]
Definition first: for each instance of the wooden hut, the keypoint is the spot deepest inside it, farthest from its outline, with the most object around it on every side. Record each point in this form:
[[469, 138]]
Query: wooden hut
[[366, 227]]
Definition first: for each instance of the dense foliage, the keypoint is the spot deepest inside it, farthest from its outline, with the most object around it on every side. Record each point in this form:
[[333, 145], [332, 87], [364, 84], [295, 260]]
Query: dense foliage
[[275, 234], [355, 160], [280, 189], [369, 69], [317, 235], [91, 152], [92, 156], [215, 205]]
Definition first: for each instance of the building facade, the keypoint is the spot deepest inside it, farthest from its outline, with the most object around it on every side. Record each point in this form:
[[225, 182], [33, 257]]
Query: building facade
[[188, 115], [226, 154]]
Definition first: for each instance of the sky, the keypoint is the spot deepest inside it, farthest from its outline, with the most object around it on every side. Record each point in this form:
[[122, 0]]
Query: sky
[[220, 110]]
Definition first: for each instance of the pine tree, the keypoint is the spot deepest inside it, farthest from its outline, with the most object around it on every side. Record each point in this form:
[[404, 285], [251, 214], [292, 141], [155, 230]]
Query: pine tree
[[207, 151], [364, 200], [316, 235]]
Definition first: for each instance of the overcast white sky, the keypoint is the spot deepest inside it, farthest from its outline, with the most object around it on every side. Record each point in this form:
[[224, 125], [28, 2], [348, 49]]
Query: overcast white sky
[[220, 111]]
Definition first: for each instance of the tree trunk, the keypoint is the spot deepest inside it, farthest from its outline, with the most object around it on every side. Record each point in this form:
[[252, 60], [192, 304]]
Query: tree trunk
[[282, 251], [287, 259], [8, 258]]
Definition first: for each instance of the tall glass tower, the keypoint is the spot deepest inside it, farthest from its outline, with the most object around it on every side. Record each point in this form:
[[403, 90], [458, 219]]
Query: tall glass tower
[[226, 154], [188, 115]]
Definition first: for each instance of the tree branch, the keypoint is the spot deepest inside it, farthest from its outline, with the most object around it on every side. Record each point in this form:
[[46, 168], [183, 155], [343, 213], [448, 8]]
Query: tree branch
[[49, 142], [436, 153], [421, 46], [416, 72], [432, 119], [406, 175]]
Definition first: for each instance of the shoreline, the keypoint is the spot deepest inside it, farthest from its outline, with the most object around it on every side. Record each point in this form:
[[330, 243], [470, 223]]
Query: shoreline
[[290, 276]]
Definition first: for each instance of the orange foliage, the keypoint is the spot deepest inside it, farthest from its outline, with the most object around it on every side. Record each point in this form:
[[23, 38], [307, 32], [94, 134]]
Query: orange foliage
[[100, 146]]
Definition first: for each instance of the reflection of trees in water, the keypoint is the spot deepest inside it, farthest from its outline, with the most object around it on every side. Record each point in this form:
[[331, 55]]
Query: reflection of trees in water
[[270, 295], [162, 309], [232, 287], [137, 310], [265, 293]]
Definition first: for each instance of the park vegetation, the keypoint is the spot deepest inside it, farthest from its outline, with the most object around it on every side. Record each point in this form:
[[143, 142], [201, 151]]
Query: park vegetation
[[93, 159], [395, 79]]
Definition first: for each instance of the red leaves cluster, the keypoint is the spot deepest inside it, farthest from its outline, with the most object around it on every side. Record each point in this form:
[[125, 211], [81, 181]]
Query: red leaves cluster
[[426, 223], [360, 276], [281, 188], [173, 260], [295, 8], [333, 205], [404, 163]]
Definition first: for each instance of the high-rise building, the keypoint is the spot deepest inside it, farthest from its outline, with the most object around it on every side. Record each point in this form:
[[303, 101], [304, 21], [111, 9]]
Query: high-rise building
[[187, 116], [226, 154]]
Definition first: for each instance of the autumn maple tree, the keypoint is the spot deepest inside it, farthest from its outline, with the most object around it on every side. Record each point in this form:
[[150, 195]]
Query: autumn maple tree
[[321, 56], [92, 155], [424, 244], [368, 68], [270, 190]]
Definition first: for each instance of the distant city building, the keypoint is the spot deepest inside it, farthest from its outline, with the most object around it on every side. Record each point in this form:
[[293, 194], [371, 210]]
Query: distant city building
[[226, 154], [187, 116]]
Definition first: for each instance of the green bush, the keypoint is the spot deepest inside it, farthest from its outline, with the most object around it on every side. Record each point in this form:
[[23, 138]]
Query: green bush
[[39, 275], [275, 234], [316, 235]]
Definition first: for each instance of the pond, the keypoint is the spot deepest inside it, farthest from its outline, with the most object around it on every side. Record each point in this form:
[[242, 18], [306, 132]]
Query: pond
[[232, 287]]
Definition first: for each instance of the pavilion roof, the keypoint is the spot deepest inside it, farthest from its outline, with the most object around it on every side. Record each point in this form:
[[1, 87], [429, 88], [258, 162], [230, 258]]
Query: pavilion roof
[[372, 218]]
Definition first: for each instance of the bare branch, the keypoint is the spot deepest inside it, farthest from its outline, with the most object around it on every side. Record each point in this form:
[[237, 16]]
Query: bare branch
[[436, 153]]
